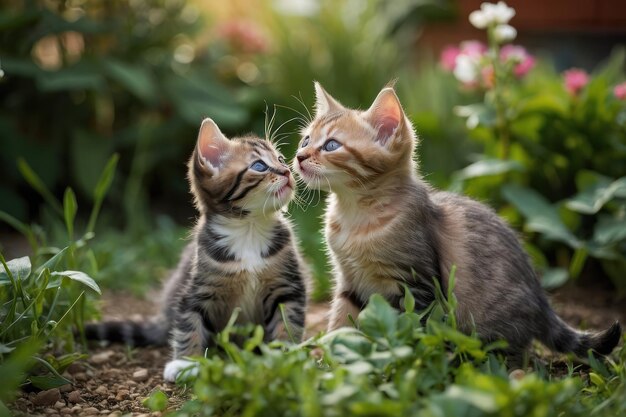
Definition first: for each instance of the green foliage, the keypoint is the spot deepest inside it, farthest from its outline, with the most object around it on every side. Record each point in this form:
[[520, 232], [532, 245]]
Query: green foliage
[[394, 363], [43, 297], [157, 401], [569, 182], [85, 79]]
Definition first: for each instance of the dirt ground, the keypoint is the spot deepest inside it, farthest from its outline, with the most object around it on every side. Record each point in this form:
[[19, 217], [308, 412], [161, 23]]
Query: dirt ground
[[116, 379]]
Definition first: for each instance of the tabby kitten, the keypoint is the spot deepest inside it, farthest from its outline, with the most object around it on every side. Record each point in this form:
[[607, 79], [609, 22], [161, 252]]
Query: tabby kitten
[[386, 228], [242, 253]]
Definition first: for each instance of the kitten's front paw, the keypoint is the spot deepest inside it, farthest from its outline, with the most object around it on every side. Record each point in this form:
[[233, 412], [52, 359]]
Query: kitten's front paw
[[175, 367]]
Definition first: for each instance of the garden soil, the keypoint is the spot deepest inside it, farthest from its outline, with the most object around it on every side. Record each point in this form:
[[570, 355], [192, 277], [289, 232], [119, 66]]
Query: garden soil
[[115, 379]]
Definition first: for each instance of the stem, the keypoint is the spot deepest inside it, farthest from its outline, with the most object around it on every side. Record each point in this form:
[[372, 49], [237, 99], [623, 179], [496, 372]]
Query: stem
[[502, 125]]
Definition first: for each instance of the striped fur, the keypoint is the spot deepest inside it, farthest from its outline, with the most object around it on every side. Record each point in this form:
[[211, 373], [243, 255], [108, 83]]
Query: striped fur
[[242, 253], [386, 228]]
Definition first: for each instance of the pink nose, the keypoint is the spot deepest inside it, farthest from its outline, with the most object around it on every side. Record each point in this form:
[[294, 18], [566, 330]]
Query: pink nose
[[302, 157]]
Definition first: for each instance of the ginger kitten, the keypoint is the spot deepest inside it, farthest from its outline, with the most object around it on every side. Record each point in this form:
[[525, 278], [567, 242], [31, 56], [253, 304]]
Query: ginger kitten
[[385, 228], [242, 254]]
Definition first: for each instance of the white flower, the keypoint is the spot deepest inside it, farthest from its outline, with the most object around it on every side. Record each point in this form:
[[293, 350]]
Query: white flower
[[498, 13], [490, 13], [504, 33], [478, 19], [466, 69]]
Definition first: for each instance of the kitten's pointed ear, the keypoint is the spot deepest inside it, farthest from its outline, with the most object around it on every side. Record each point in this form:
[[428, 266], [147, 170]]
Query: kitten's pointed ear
[[212, 145], [385, 115], [324, 102]]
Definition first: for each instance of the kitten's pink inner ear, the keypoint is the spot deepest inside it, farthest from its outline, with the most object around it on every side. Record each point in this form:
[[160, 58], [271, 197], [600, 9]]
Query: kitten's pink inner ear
[[385, 115], [212, 144]]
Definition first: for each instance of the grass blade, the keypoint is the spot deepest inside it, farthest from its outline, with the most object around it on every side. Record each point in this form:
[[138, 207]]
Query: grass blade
[[104, 183], [33, 179]]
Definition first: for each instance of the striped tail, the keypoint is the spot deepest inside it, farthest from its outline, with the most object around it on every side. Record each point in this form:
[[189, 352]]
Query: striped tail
[[563, 338], [152, 332]]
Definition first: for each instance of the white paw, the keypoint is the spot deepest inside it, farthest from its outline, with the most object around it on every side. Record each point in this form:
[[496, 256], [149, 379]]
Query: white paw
[[180, 366]]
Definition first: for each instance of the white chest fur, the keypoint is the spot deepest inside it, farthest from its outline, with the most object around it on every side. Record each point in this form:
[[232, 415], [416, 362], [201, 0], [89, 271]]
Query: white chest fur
[[247, 239]]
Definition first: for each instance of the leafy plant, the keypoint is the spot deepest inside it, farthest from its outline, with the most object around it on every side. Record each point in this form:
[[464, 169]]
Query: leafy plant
[[42, 301], [553, 146], [394, 363]]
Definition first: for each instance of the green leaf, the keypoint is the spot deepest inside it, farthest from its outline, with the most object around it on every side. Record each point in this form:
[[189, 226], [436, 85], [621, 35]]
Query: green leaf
[[69, 210], [13, 369], [19, 267], [134, 78], [554, 278], [54, 261], [409, 300], [487, 167], [34, 181], [48, 381], [544, 104], [78, 77], [482, 400], [609, 230], [106, 178], [595, 196], [80, 277], [5, 349], [157, 401], [378, 319], [540, 215]]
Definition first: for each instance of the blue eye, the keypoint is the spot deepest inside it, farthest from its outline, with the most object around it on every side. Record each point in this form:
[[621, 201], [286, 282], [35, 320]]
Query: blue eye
[[331, 145], [305, 142], [259, 166]]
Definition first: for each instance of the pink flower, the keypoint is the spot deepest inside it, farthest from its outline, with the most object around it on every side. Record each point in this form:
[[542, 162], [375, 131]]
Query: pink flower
[[448, 57], [575, 80], [474, 49], [620, 91], [524, 62], [243, 36]]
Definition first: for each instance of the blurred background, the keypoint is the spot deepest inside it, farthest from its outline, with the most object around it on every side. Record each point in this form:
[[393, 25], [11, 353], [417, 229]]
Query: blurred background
[[86, 79]]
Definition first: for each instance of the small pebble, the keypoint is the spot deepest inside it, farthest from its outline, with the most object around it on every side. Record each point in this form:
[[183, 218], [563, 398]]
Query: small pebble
[[81, 376], [102, 390], [140, 375], [102, 357], [65, 388], [90, 410], [59, 405], [75, 368], [122, 395], [47, 397], [74, 397], [66, 411], [517, 374], [49, 411]]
